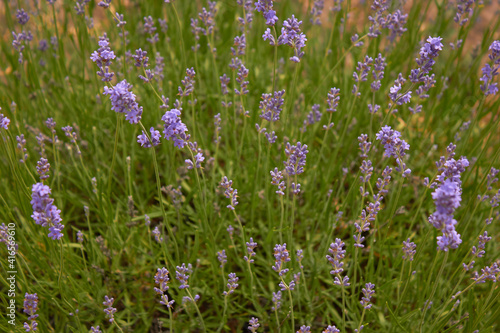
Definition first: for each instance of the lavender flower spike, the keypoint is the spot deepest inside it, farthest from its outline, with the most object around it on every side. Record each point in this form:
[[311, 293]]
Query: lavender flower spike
[[229, 192], [182, 276], [292, 36], [123, 101], [161, 279], [254, 325], [30, 307], [338, 253], [110, 310], [394, 147], [368, 292], [231, 284], [281, 257], [4, 121], [45, 213]]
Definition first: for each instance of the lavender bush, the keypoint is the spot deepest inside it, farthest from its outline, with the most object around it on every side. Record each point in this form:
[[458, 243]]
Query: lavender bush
[[250, 166]]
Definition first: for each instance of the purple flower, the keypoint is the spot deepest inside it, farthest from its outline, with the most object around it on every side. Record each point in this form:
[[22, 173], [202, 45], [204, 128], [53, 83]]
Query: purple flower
[[337, 255], [251, 245], [102, 58], [207, 17], [222, 257], [266, 8], [162, 279], [96, 329], [141, 58], [240, 45], [269, 36], [123, 101], [316, 11], [292, 36], [489, 72], [4, 121], [110, 310], [281, 257], [175, 129], [182, 276], [157, 234], [488, 273], [409, 250], [378, 72], [394, 147], [304, 329], [224, 81], [464, 11], [79, 236], [229, 192], [271, 107], [278, 181], [144, 141], [331, 329], [427, 53], [42, 167], [241, 79], [22, 16], [333, 100], [104, 4], [276, 300], [30, 307], [188, 83], [253, 325], [45, 213], [231, 284], [368, 292]]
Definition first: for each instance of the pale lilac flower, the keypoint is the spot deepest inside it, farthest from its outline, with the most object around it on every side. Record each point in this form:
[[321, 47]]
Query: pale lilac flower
[[175, 129], [157, 234], [22, 16], [224, 81], [266, 8], [182, 276], [281, 257], [394, 147], [231, 284], [253, 325], [104, 4], [331, 329], [30, 307], [4, 121], [229, 192], [102, 58], [409, 250], [276, 300], [304, 329], [110, 310], [489, 72], [316, 11], [338, 254], [123, 101], [145, 142], [222, 257], [241, 79], [292, 36], [251, 245], [333, 100], [368, 293], [464, 11], [162, 279], [271, 106], [188, 83], [278, 181], [45, 213]]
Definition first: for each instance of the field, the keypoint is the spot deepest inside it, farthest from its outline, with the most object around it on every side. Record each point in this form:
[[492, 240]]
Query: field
[[249, 166]]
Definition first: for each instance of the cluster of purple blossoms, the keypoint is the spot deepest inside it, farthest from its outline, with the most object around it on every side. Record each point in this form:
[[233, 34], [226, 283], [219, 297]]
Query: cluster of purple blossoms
[[162, 279], [361, 74], [276, 300], [368, 292], [478, 252], [464, 11], [188, 83], [331, 329], [229, 192], [45, 213], [300, 257], [447, 197], [198, 156], [79, 236], [316, 11], [292, 36], [489, 72], [337, 255], [394, 147], [409, 250], [395, 93], [394, 22], [296, 161], [21, 145], [488, 273], [251, 245], [271, 106], [266, 8], [378, 72], [333, 99], [150, 29], [253, 325], [304, 329], [365, 221], [141, 58], [4, 121], [175, 129], [242, 81], [104, 4], [218, 128], [102, 58], [181, 274], [312, 117], [96, 329], [427, 53], [22, 16], [240, 44], [18, 41], [224, 82], [157, 234], [364, 146], [110, 310], [30, 307], [207, 17], [248, 10], [222, 257], [42, 167], [80, 6], [146, 142], [231, 284], [281, 256], [277, 179], [123, 101]]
